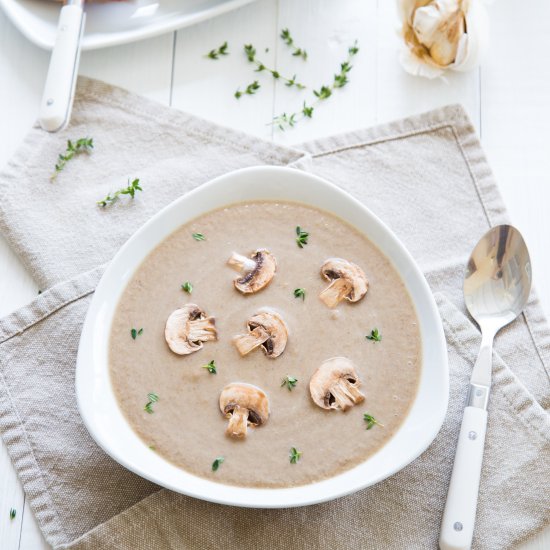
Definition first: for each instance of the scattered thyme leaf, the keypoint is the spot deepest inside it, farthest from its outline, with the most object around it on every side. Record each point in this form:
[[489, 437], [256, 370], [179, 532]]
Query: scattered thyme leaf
[[199, 237], [302, 237], [294, 455], [371, 421], [215, 53], [289, 41], [374, 335], [217, 462], [13, 513], [300, 293], [289, 381], [152, 447], [250, 52], [325, 91], [129, 190], [135, 333], [73, 148], [187, 287], [251, 89], [211, 367], [153, 398]]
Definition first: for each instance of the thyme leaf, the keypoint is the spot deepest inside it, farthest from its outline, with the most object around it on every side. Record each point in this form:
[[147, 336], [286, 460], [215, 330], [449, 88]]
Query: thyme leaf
[[251, 89], [302, 237], [300, 293], [153, 398], [217, 462], [135, 333], [13, 513], [187, 287], [199, 237], [295, 455], [289, 41]]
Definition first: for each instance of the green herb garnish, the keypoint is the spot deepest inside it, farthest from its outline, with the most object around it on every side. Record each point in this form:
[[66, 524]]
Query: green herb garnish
[[251, 89], [300, 293], [199, 237], [215, 53], [374, 335], [73, 148], [13, 513], [289, 381], [153, 398], [187, 287], [295, 455], [130, 190], [289, 41], [211, 367], [217, 462], [340, 79], [302, 237], [135, 333], [250, 52], [371, 421], [152, 447]]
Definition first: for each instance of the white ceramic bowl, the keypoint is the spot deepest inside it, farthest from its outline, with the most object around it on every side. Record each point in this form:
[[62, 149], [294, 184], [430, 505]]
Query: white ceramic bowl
[[105, 421]]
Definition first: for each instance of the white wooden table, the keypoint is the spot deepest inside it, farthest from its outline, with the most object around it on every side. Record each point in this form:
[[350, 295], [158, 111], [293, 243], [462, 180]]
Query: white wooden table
[[508, 100]]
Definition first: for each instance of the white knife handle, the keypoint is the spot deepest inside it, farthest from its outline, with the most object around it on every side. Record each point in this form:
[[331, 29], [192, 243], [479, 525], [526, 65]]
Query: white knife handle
[[457, 527], [57, 101]]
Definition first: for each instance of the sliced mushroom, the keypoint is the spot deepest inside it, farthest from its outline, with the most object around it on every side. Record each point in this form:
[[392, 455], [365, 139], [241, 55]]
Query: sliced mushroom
[[335, 385], [266, 329], [347, 280], [244, 405], [187, 328], [257, 271]]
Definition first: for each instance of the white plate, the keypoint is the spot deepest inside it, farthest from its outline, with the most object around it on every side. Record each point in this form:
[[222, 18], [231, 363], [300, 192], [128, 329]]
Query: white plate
[[105, 421], [112, 23]]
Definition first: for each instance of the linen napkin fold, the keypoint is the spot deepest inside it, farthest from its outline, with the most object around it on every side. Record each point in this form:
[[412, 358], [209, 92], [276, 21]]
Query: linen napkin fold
[[425, 176]]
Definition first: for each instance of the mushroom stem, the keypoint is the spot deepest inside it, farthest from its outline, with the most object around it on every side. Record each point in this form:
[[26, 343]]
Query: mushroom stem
[[202, 330], [335, 292], [346, 395], [247, 342], [238, 421], [241, 263]]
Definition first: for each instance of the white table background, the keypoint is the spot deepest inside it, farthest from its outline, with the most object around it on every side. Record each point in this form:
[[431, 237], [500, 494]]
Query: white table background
[[508, 100]]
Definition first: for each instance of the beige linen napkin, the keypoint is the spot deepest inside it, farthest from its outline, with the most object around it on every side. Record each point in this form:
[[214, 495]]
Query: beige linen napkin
[[425, 176]]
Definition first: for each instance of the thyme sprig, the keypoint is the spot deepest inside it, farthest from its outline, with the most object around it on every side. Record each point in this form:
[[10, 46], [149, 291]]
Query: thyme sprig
[[340, 79], [215, 53], [82, 145], [374, 335], [211, 367], [289, 381], [130, 190], [302, 237], [134, 333], [153, 398], [250, 52], [371, 421], [251, 89], [187, 287], [289, 41]]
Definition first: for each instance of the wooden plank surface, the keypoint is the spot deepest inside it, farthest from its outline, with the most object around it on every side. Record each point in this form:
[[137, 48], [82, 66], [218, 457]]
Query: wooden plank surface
[[507, 99]]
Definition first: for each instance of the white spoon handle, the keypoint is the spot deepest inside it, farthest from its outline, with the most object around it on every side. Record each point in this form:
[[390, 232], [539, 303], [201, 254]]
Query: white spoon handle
[[57, 101], [457, 527]]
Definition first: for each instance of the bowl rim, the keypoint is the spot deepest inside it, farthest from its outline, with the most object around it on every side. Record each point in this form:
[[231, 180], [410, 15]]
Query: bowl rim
[[92, 379]]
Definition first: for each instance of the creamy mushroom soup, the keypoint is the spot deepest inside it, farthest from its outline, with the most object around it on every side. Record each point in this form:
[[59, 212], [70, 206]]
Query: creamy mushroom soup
[[265, 345]]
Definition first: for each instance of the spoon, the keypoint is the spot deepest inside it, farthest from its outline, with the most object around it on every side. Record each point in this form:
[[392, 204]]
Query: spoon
[[496, 288]]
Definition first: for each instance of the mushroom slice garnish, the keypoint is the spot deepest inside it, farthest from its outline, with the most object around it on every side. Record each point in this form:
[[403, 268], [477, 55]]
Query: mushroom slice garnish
[[347, 280], [187, 328], [266, 329], [256, 271], [244, 405], [335, 385]]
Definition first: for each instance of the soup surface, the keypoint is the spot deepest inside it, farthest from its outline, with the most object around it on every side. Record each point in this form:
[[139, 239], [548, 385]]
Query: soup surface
[[185, 425]]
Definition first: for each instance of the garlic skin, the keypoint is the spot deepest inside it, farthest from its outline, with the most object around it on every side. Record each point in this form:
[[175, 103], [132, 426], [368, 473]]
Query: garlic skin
[[442, 35]]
